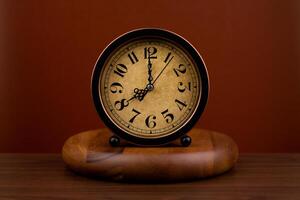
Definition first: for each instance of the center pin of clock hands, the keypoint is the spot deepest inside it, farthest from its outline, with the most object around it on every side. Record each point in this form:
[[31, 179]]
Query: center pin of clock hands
[[141, 93]]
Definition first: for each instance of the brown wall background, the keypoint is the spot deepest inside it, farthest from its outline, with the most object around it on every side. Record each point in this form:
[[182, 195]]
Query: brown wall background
[[48, 50]]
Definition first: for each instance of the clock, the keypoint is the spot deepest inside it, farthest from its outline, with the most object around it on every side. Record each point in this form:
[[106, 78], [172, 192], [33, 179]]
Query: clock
[[150, 87]]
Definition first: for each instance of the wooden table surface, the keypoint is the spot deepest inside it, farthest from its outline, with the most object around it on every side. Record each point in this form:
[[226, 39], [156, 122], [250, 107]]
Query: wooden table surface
[[44, 176]]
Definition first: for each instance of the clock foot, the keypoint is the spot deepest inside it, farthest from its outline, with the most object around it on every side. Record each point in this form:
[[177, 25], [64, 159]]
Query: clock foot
[[114, 141], [186, 141]]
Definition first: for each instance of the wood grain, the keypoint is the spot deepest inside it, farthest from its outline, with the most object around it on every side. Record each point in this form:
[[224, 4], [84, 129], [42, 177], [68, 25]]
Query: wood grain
[[256, 176], [210, 153]]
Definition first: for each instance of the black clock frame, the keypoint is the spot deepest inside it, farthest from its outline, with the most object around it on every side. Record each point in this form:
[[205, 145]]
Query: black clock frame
[[150, 33]]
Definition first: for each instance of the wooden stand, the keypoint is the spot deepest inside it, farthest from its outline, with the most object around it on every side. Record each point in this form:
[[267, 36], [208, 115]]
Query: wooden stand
[[209, 154]]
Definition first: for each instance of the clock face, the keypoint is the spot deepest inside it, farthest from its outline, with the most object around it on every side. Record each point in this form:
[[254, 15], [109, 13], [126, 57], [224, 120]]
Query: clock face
[[148, 87]]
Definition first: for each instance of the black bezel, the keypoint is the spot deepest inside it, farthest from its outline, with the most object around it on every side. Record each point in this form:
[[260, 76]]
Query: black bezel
[[150, 33]]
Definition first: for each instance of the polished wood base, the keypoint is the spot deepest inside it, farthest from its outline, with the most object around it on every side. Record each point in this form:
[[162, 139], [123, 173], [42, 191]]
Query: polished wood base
[[209, 154]]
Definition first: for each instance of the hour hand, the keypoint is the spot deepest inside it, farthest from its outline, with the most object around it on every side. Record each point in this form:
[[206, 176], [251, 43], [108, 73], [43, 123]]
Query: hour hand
[[140, 93]]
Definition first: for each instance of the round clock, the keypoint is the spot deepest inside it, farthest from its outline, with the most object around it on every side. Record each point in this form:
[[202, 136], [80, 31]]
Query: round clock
[[150, 86]]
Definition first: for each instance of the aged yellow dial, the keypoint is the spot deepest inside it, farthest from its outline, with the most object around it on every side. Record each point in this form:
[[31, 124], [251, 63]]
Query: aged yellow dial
[[149, 87]]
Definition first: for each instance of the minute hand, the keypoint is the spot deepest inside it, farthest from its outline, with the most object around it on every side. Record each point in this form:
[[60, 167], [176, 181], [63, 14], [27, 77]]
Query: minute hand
[[163, 70]]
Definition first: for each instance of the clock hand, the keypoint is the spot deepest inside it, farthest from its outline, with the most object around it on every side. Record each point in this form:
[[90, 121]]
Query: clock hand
[[163, 70], [150, 78], [141, 93]]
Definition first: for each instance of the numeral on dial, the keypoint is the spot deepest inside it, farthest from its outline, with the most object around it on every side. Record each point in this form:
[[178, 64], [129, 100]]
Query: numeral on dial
[[150, 52], [181, 69], [150, 121], [168, 116], [136, 114], [116, 87], [120, 70], [120, 105], [180, 104], [133, 57], [181, 87]]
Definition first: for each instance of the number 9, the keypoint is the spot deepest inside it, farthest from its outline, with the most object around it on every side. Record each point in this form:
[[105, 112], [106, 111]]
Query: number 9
[[114, 87]]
